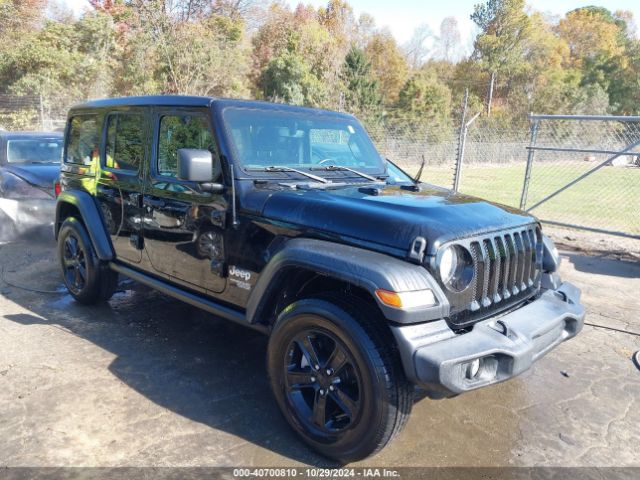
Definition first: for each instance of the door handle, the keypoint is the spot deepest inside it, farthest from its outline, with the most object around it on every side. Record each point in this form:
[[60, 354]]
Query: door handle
[[136, 198], [152, 202]]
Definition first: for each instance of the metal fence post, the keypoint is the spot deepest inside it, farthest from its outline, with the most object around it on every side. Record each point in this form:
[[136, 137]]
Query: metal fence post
[[527, 174], [461, 149], [41, 104], [462, 140]]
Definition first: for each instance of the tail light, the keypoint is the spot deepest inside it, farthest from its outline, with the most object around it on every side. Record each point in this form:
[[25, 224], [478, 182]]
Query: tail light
[[57, 188]]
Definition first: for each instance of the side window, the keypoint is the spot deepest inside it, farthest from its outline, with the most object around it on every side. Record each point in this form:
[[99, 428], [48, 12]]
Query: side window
[[182, 131], [82, 140], [125, 142]]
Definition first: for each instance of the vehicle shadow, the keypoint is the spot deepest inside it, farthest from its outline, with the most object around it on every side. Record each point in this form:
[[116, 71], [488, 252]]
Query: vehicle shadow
[[601, 265], [203, 368]]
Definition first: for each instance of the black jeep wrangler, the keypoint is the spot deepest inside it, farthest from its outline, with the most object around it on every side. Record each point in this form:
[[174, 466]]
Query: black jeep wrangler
[[287, 220]]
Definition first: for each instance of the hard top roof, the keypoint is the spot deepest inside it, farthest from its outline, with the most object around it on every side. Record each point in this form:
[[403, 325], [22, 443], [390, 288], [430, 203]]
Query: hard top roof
[[194, 101]]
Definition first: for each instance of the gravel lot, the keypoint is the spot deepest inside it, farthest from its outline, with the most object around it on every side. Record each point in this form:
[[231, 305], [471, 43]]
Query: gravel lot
[[149, 381]]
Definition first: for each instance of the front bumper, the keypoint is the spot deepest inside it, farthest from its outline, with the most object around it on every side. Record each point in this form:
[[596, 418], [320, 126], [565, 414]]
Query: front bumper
[[445, 363]]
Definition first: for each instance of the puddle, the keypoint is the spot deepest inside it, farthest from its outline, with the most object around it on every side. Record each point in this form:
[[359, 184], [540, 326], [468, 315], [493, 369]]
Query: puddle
[[63, 302]]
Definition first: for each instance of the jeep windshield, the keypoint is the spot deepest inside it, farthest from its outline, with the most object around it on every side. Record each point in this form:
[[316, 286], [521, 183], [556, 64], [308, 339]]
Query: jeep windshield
[[41, 150], [263, 139]]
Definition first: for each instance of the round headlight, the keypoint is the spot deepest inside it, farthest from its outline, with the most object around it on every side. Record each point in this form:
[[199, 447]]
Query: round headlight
[[455, 268], [448, 264], [550, 257]]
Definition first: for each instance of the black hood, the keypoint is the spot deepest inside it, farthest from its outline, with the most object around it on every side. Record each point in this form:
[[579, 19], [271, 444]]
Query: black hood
[[39, 175], [395, 216]]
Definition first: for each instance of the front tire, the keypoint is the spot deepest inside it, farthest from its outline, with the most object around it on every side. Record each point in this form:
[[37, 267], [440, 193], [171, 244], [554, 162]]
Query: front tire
[[86, 279], [337, 376]]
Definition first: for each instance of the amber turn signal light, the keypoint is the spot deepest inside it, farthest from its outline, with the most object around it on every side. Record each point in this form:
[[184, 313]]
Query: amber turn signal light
[[389, 298], [414, 299]]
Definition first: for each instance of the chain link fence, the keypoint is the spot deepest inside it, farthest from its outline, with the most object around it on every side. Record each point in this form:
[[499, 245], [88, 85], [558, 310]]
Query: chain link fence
[[34, 112], [579, 175], [583, 172]]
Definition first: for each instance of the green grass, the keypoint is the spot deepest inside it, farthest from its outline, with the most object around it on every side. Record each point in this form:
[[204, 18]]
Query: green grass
[[608, 199]]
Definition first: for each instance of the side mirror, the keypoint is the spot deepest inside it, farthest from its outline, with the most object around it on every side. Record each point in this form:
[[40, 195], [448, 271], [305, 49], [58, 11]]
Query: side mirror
[[195, 165]]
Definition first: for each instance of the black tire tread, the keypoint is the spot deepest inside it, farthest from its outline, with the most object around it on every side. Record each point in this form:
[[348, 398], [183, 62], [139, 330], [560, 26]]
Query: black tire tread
[[382, 351], [105, 281], [399, 388]]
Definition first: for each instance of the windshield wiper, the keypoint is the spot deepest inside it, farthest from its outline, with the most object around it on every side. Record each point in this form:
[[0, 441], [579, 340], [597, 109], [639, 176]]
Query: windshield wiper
[[282, 168], [336, 168]]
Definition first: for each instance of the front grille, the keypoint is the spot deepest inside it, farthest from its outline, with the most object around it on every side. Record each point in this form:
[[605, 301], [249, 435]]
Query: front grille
[[507, 267]]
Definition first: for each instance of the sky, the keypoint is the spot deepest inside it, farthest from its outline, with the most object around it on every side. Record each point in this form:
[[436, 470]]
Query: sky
[[403, 16]]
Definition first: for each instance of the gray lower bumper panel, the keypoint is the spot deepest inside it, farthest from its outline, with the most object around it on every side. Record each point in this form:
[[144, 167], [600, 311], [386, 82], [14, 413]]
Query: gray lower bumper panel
[[445, 363]]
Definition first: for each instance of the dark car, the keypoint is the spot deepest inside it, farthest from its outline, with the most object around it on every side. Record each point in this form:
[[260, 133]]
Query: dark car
[[29, 165], [288, 221]]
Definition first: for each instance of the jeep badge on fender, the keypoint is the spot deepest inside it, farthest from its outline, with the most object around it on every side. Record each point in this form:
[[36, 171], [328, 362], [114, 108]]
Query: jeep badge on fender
[[288, 221]]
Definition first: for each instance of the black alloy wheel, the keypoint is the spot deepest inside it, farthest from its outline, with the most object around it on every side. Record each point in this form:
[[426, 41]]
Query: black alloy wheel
[[74, 264], [88, 280], [323, 384], [337, 376]]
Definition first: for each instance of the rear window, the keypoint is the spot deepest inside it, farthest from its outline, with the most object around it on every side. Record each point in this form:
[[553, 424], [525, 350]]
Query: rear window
[[40, 150], [82, 140], [125, 142]]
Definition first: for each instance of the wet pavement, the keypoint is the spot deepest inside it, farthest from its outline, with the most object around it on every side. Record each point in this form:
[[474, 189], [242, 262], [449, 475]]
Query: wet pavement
[[148, 381]]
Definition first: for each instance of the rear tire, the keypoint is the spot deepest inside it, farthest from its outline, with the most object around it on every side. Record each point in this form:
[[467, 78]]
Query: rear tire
[[88, 280], [337, 376]]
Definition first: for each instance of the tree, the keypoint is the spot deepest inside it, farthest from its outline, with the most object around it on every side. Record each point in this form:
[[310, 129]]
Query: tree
[[314, 40], [365, 27], [360, 88], [187, 48], [424, 99], [598, 41], [337, 17], [590, 100], [546, 81], [19, 18], [624, 85], [592, 34], [505, 26], [448, 44], [388, 65], [271, 39], [416, 49], [47, 63], [205, 58], [289, 79]]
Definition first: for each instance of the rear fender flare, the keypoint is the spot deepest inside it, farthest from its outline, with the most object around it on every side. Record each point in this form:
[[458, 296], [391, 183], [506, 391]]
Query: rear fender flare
[[90, 215]]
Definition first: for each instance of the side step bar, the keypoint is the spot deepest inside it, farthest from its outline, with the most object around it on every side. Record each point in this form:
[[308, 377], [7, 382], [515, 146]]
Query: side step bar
[[187, 297]]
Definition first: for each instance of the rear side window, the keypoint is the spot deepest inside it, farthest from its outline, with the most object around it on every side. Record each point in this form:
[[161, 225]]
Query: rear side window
[[82, 140], [181, 131], [125, 142]]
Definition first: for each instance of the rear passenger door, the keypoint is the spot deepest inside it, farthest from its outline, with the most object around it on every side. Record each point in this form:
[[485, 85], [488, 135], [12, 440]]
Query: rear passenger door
[[119, 191], [184, 226]]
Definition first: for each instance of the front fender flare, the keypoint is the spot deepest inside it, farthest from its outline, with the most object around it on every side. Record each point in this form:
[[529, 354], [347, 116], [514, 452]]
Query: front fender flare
[[90, 216], [363, 268]]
